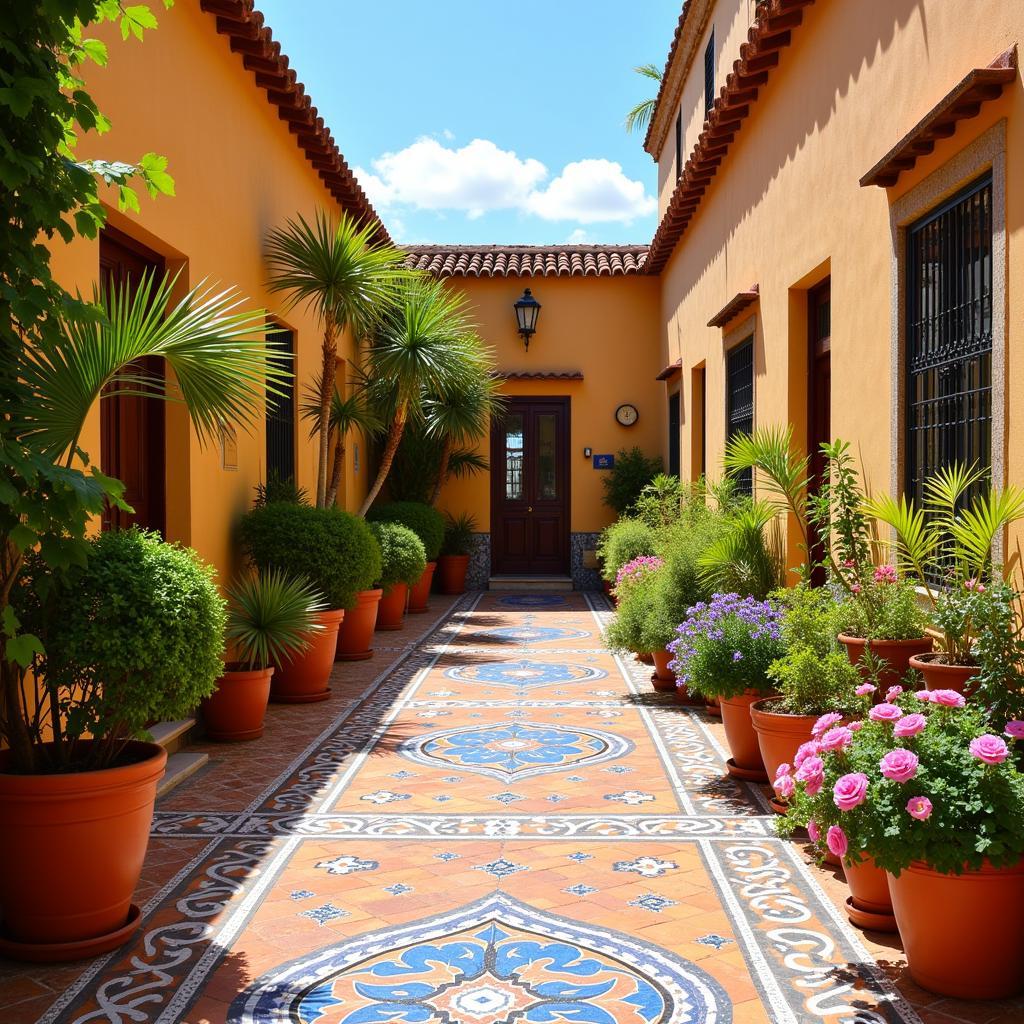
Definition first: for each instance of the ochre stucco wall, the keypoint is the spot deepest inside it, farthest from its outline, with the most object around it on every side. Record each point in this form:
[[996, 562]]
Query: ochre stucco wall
[[605, 327]]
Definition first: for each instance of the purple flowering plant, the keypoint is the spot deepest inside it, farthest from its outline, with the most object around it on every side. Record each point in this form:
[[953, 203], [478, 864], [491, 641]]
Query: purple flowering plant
[[725, 646]]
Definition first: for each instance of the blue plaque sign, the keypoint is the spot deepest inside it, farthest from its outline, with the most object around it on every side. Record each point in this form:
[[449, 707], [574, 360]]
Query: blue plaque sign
[[604, 461]]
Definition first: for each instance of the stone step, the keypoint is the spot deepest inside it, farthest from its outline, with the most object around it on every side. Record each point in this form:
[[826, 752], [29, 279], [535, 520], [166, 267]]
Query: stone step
[[180, 766], [173, 736], [530, 583]]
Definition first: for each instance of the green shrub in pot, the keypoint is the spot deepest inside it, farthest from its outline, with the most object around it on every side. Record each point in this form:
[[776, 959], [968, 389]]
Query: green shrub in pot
[[424, 520], [621, 543], [459, 533], [403, 556]]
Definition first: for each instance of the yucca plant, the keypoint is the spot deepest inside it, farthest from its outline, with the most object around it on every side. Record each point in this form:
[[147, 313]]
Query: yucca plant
[[459, 532], [747, 557], [271, 617]]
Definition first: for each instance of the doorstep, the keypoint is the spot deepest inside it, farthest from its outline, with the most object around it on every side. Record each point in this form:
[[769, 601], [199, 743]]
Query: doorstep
[[180, 766], [530, 583]]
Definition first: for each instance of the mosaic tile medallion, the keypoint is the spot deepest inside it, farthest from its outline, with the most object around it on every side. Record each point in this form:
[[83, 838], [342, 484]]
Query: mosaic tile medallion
[[515, 750], [496, 961], [524, 673], [525, 635], [533, 601]]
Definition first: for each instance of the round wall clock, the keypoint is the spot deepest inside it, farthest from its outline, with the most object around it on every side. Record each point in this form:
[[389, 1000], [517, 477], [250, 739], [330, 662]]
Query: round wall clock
[[627, 414]]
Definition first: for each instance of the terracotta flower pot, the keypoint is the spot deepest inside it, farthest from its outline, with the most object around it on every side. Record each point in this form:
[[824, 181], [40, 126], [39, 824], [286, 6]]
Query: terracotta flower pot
[[304, 679], [869, 904], [963, 934], [419, 592], [451, 571], [236, 709], [688, 699], [391, 611], [746, 761], [714, 707], [778, 736], [644, 657], [898, 653], [939, 676], [72, 854], [663, 678], [355, 637]]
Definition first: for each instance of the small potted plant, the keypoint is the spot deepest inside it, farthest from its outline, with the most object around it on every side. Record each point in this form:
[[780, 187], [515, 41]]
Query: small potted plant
[[337, 553], [271, 618], [453, 562], [620, 543], [639, 625], [428, 524], [814, 678], [724, 649], [132, 637], [402, 559], [355, 634]]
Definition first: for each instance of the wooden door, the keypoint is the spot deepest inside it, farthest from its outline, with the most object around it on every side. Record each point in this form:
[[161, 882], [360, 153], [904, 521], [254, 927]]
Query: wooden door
[[530, 488], [132, 428], [819, 397]]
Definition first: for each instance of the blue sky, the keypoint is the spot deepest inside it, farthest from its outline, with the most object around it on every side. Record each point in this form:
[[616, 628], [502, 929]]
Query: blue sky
[[476, 121]]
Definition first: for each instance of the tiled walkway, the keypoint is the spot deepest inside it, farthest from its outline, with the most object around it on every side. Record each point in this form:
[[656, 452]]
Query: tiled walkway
[[507, 825]]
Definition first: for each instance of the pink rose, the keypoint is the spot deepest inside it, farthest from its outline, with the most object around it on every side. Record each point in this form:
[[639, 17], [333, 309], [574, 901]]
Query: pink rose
[[812, 774], [836, 841], [919, 807], [784, 786], [948, 698], [893, 692], [849, 563], [826, 722], [855, 589], [813, 832], [885, 713], [990, 749], [838, 738], [886, 574], [910, 725], [806, 750], [783, 769], [850, 791], [855, 726], [976, 585], [1015, 729], [865, 689], [925, 695], [900, 765]]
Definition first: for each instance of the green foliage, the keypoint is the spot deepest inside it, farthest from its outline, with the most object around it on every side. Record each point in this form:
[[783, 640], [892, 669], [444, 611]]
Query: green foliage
[[334, 550], [426, 522], [403, 557], [998, 628], [747, 555], [418, 465], [459, 534], [814, 675], [135, 636], [623, 541], [276, 489], [271, 617], [636, 627], [836, 511], [882, 610], [639, 117], [661, 501], [624, 482]]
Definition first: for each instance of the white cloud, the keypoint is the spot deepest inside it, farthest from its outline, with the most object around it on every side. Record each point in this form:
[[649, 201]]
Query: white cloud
[[578, 237], [480, 177]]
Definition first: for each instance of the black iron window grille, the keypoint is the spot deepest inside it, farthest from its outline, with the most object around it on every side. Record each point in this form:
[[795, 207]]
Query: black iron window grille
[[739, 384], [949, 337], [281, 416], [709, 74]]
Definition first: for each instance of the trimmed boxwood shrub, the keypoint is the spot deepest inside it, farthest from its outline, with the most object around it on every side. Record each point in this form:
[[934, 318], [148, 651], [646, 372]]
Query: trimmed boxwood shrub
[[622, 542], [424, 520], [334, 550], [402, 555]]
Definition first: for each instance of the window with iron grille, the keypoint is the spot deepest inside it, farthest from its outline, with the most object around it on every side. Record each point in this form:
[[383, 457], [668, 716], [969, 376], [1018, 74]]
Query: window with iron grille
[[679, 145], [948, 362], [674, 426], [709, 74], [281, 416], [739, 402]]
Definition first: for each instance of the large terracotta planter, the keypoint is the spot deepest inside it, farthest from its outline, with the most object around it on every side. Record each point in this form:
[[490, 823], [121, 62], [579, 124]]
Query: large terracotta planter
[[963, 934], [451, 572], [419, 592], [869, 904], [304, 679], [898, 654], [236, 709], [938, 676], [645, 657], [355, 637], [663, 678], [778, 736], [71, 856], [746, 761], [391, 611], [714, 707]]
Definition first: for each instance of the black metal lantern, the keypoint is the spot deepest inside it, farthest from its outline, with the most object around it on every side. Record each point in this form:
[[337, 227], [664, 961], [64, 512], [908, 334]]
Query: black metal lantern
[[527, 310]]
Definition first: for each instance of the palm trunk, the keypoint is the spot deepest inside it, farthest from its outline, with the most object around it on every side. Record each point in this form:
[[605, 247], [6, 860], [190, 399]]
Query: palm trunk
[[330, 366], [336, 468], [394, 437], [442, 470]]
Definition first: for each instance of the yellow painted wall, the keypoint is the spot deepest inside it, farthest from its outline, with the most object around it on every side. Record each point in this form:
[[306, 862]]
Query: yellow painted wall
[[605, 327], [238, 172]]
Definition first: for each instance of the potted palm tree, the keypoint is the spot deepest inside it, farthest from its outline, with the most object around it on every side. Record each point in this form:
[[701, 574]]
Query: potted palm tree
[[402, 561], [428, 524], [453, 562], [271, 618]]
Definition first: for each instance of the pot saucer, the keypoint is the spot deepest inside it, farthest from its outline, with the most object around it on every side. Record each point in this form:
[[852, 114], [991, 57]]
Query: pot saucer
[[777, 805], [868, 919], [358, 656], [300, 698], [714, 710], [234, 737], [63, 952], [746, 774]]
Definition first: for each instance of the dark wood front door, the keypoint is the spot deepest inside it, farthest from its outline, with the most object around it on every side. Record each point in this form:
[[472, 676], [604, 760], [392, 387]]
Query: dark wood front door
[[819, 397], [530, 487], [132, 426]]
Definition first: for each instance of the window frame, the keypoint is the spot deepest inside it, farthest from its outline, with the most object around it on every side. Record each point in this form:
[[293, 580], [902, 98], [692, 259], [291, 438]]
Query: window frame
[[744, 479], [709, 74]]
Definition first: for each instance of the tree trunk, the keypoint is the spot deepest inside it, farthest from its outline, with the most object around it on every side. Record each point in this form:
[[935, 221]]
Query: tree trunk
[[336, 468], [330, 367], [15, 727], [394, 437], [442, 470]]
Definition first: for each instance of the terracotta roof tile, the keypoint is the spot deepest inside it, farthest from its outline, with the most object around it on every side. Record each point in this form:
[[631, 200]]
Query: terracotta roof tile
[[537, 375], [732, 309], [527, 260], [671, 370]]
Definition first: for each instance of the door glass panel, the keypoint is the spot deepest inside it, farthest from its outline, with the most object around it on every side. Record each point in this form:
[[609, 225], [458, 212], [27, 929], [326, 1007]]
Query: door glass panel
[[547, 476], [514, 458]]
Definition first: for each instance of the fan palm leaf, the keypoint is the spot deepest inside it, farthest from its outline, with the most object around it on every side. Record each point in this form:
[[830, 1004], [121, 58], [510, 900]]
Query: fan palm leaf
[[748, 557], [975, 530], [916, 537]]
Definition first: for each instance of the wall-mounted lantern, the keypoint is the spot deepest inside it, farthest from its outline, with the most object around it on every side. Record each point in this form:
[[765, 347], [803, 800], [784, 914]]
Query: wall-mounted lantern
[[527, 310]]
